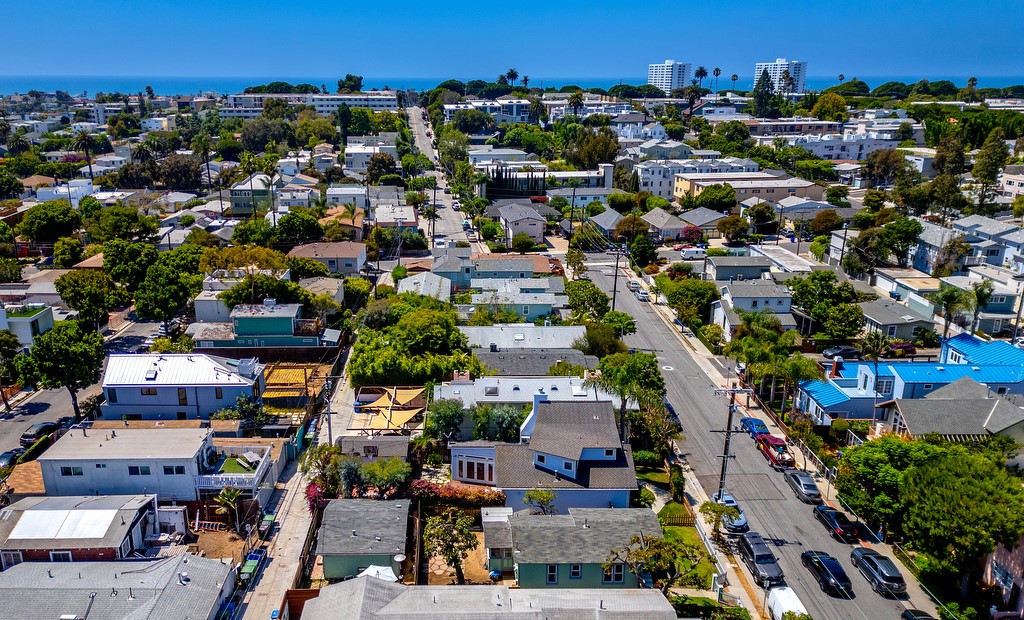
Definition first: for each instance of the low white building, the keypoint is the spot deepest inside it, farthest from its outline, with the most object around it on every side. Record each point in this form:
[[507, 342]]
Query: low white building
[[517, 219], [348, 194], [75, 190], [177, 386], [357, 158], [847, 146], [658, 176], [26, 321], [158, 123]]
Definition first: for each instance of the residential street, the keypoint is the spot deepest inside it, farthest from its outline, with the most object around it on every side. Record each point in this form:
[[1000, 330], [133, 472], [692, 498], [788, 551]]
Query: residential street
[[770, 505]]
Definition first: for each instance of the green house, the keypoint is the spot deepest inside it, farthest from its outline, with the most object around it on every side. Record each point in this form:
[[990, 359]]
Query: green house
[[358, 533], [264, 325], [565, 551]]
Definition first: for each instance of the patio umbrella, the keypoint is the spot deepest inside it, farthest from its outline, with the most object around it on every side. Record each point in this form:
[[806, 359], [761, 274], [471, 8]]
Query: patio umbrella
[[380, 572]]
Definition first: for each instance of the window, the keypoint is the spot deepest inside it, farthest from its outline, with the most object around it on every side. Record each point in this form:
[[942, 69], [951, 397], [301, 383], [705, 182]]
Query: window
[[753, 304], [112, 396], [101, 465], [1001, 390], [891, 331], [541, 459], [615, 574], [174, 470], [219, 393], [575, 571], [998, 299], [526, 310], [567, 465], [182, 396], [552, 573], [149, 391], [60, 556], [955, 357], [138, 470], [927, 386], [884, 386], [610, 452], [71, 471], [10, 558]]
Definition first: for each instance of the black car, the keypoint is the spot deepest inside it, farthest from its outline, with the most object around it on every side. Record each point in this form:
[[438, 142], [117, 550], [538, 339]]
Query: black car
[[837, 523], [10, 457], [846, 352], [916, 614], [828, 572], [880, 571], [37, 432]]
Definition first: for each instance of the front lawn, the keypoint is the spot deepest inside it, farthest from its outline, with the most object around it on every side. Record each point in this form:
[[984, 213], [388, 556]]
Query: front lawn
[[658, 477]]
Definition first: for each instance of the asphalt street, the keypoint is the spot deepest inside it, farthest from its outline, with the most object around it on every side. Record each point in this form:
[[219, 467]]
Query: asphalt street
[[770, 505], [55, 405]]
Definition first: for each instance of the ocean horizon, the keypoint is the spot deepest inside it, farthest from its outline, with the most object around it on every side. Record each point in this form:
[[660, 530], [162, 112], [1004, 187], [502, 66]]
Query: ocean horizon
[[195, 85]]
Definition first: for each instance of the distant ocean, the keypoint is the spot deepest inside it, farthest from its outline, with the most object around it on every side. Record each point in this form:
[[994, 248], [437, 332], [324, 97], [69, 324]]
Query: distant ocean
[[78, 84]]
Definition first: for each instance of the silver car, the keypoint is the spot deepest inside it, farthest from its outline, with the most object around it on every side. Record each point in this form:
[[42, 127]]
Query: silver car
[[804, 487]]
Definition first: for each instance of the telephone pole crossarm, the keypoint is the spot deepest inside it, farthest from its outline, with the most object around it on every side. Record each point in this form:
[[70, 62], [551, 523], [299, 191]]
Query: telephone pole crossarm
[[727, 453]]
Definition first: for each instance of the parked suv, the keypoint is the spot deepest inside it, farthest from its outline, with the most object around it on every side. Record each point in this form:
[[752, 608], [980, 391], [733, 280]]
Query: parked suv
[[845, 352], [37, 432], [880, 571], [760, 560]]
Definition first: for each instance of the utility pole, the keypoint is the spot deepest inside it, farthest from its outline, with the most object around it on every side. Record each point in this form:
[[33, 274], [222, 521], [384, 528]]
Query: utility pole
[[330, 436], [572, 209], [732, 392], [618, 252]]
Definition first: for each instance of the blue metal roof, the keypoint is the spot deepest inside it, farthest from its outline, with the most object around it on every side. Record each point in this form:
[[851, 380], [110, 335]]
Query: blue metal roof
[[823, 393], [929, 372], [977, 351]]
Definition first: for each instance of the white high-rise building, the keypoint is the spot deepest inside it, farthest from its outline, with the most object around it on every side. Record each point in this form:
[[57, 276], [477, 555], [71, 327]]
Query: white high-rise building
[[797, 71], [669, 75]]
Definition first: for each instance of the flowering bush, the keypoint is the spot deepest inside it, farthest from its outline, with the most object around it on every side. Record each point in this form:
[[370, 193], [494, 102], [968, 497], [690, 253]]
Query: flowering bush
[[315, 497], [450, 495]]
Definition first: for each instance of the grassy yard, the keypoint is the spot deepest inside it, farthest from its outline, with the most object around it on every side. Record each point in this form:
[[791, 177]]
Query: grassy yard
[[657, 477], [230, 466], [689, 536]]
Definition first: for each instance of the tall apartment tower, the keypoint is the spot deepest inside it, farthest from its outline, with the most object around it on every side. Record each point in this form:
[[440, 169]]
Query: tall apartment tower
[[797, 71], [669, 75]]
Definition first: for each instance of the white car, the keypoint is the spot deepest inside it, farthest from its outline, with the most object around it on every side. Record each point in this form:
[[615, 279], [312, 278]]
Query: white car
[[1019, 342], [440, 243]]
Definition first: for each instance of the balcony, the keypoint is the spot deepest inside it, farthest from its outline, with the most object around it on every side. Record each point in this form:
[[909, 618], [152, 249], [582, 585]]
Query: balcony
[[227, 472], [307, 327]]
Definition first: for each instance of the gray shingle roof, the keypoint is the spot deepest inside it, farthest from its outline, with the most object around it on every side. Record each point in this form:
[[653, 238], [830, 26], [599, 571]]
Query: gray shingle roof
[[701, 216], [387, 446], [585, 535], [371, 520], [516, 213], [607, 219], [368, 598], [964, 407], [515, 470], [532, 362], [565, 428], [663, 220], [889, 312], [49, 590]]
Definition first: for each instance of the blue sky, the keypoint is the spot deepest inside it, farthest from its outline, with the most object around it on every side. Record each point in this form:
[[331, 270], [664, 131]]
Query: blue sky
[[599, 38]]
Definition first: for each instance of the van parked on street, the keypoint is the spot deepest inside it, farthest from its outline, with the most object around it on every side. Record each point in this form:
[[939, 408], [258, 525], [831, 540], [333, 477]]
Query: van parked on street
[[783, 599], [694, 253]]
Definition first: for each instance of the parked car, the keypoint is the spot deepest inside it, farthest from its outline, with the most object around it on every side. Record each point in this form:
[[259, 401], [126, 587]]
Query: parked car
[[846, 352], [880, 571], [828, 572], [693, 253], [916, 614], [759, 560], [642, 295], [803, 485], [733, 526], [37, 432], [10, 457], [776, 451], [837, 523], [900, 349], [754, 427]]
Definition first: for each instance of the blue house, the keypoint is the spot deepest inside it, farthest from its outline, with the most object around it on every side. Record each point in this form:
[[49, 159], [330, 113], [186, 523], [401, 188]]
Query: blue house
[[456, 265], [969, 349], [852, 390], [1001, 311], [264, 325]]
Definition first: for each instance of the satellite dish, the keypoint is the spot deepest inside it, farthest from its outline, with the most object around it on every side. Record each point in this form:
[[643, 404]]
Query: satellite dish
[[400, 558]]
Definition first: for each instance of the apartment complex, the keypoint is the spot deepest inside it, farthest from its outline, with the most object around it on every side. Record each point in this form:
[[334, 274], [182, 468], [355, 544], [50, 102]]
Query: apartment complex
[[250, 105], [669, 75], [797, 70]]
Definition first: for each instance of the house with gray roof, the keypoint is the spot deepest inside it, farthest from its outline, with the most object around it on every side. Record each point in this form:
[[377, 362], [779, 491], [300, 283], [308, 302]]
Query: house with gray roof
[[518, 336], [606, 222], [427, 284], [725, 268], [569, 446], [531, 298], [532, 362], [180, 586], [894, 319], [751, 296], [368, 598], [517, 219], [662, 224], [371, 448], [568, 550], [703, 218], [462, 270], [934, 237], [356, 533], [75, 528]]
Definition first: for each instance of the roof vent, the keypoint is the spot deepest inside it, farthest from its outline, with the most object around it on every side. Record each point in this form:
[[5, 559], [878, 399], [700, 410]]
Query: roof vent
[[975, 368], [377, 538], [151, 375], [940, 368], [353, 533]]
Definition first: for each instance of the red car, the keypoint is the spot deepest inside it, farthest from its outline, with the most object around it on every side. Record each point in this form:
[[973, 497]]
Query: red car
[[776, 451], [900, 349]]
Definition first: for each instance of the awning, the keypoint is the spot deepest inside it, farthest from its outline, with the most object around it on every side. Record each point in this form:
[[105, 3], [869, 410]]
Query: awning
[[380, 572], [397, 421]]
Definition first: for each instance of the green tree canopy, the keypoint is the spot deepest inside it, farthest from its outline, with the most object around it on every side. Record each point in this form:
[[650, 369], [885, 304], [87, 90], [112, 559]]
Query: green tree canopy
[[254, 288], [586, 299], [165, 291], [67, 356], [92, 293], [449, 537], [127, 262], [47, 222], [67, 252]]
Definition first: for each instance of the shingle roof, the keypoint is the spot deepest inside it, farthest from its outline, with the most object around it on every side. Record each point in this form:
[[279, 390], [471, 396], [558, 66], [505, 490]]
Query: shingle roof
[[964, 407], [428, 284], [607, 219], [386, 446], [889, 312], [337, 249], [49, 590], [701, 216], [515, 213], [532, 362], [380, 527], [584, 536], [565, 428], [367, 598], [663, 220], [515, 470]]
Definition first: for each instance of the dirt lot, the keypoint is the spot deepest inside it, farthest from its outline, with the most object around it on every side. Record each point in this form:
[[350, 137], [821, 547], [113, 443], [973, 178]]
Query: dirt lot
[[474, 567], [223, 544]]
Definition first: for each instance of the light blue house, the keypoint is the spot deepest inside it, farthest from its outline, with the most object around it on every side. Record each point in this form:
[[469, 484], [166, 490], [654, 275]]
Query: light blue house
[[531, 298], [1001, 311], [969, 349], [456, 265], [852, 390], [571, 448], [264, 325], [177, 386]]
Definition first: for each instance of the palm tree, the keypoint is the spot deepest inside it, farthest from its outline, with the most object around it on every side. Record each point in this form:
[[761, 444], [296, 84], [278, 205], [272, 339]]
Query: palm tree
[[431, 214], [692, 93], [873, 346], [972, 85], [249, 165], [716, 72], [575, 101], [841, 78], [512, 75], [17, 143], [83, 142], [525, 81], [951, 301], [201, 146], [796, 369], [700, 74], [142, 153], [227, 503], [734, 78], [5, 130], [784, 81], [269, 167], [978, 298]]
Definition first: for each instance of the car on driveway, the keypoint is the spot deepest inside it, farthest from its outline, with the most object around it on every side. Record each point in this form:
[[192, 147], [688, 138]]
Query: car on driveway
[[754, 427], [733, 526], [828, 572], [900, 349], [803, 485], [880, 571], [845, 352], [837, 523], [10, 457]]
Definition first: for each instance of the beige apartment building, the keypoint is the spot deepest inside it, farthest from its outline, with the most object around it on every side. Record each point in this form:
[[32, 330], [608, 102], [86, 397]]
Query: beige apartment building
[[771, 185]]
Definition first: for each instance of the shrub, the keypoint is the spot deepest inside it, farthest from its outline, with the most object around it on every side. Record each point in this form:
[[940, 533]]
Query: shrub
[[717, 252], [645, 458], [646, 498], [677, 484], [435, 494], [652, 269]]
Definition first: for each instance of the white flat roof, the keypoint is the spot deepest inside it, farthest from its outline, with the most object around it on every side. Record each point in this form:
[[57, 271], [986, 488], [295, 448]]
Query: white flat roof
[[64, 524], [170, 369], [127, 444]]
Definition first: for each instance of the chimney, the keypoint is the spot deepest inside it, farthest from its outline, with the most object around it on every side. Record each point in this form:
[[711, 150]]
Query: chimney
[[834, 371], [494, 347]]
